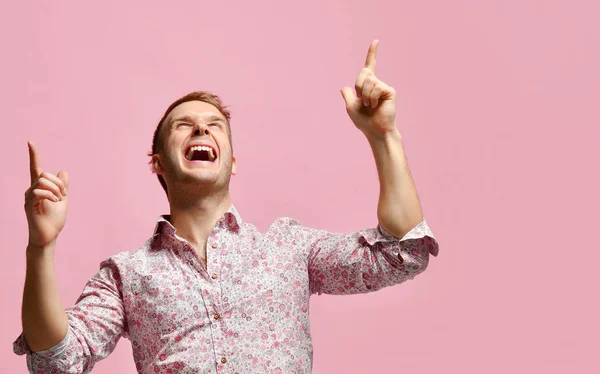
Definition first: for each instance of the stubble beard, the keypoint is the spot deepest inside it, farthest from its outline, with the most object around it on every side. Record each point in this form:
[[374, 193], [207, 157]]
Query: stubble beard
[[203, 182]]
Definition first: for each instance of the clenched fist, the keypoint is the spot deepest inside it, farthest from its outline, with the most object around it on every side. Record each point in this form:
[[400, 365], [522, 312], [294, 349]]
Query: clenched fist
[[45, 203]]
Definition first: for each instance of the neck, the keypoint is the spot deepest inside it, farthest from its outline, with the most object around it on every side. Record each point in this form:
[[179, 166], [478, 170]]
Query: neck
[[195, 217]]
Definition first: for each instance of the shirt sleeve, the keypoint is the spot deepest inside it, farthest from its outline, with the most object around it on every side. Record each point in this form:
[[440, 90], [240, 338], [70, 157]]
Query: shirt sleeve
[[96, 323], [363, 261]]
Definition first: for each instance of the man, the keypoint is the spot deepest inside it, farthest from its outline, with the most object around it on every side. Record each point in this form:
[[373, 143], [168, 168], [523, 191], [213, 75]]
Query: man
[[208, 292]]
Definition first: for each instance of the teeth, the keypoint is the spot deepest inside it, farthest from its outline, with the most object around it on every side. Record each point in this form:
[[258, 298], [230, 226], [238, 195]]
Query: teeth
[[190, 152]]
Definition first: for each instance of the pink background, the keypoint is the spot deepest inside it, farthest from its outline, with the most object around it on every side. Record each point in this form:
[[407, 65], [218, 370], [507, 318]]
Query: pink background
[[497, 105]]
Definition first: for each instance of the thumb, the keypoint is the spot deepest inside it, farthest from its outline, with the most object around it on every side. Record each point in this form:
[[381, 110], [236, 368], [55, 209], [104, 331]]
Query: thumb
[[64, 176], [348, 95]]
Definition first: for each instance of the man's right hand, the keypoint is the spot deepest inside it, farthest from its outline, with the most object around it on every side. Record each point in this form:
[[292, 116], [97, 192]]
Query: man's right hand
[[45, 203]]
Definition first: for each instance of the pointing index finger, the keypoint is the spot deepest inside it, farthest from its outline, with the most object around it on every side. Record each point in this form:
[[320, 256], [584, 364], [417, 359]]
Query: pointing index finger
[[34, 162], [371, 55]]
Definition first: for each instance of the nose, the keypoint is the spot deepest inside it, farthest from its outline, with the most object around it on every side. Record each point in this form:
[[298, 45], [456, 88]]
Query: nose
[[201, 129]]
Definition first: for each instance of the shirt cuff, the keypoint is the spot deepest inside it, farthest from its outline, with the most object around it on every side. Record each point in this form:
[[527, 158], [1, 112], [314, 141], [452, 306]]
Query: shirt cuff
[[20, 347], [421, 232]]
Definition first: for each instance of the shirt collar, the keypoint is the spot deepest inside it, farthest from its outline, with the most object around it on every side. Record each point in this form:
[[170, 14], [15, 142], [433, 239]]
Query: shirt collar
[[231, 219]]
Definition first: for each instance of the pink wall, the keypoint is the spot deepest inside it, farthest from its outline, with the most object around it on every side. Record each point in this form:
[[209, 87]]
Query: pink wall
[[498, 107]]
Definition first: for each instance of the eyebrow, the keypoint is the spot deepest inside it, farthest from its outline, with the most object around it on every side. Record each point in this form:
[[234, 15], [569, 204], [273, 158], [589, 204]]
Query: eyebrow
[[208, 118]]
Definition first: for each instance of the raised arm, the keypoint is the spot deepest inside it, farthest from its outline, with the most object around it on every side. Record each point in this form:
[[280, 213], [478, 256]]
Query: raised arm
[[56, 340], [43, 316], [373, 111], [398, 248]]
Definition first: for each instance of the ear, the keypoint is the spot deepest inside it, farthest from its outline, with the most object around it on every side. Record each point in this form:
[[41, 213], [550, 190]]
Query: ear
[[233, 168], [156, 166]]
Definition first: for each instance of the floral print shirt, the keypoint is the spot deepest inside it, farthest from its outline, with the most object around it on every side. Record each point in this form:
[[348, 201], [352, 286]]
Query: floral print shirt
[[247, 312]]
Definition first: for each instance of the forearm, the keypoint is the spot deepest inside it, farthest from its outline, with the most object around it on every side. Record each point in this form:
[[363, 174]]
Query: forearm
[[44, 319], [399, 209]]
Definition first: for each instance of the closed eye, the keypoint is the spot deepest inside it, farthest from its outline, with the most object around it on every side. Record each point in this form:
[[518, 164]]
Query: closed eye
[[217, 125]]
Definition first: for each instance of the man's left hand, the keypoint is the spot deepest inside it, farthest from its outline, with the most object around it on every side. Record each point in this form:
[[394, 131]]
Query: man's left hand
[[373, 108]]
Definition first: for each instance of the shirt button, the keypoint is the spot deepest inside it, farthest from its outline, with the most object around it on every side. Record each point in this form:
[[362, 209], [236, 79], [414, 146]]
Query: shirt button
[[214, 276], [217, 316], [214, 245], [223, 360]]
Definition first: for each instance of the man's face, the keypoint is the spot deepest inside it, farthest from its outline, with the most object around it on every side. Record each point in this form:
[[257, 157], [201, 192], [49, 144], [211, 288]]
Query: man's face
[[196, 151]]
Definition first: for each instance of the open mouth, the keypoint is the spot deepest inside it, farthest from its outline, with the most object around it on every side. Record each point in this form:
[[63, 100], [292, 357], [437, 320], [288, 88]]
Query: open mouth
[[201, 153]]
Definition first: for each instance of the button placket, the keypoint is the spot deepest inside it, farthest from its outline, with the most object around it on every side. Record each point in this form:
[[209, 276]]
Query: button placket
[[219, 338], [215, 262], [218, 324]]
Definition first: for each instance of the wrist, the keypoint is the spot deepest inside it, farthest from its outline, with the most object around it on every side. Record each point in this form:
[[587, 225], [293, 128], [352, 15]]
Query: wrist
[[34, 251], [385, 137], [386, 145]]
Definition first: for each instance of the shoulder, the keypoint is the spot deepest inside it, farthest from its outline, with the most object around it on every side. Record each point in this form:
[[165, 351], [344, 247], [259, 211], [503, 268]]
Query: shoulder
[[285, 225], [286, 221], [288, 228], [129, 259]]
